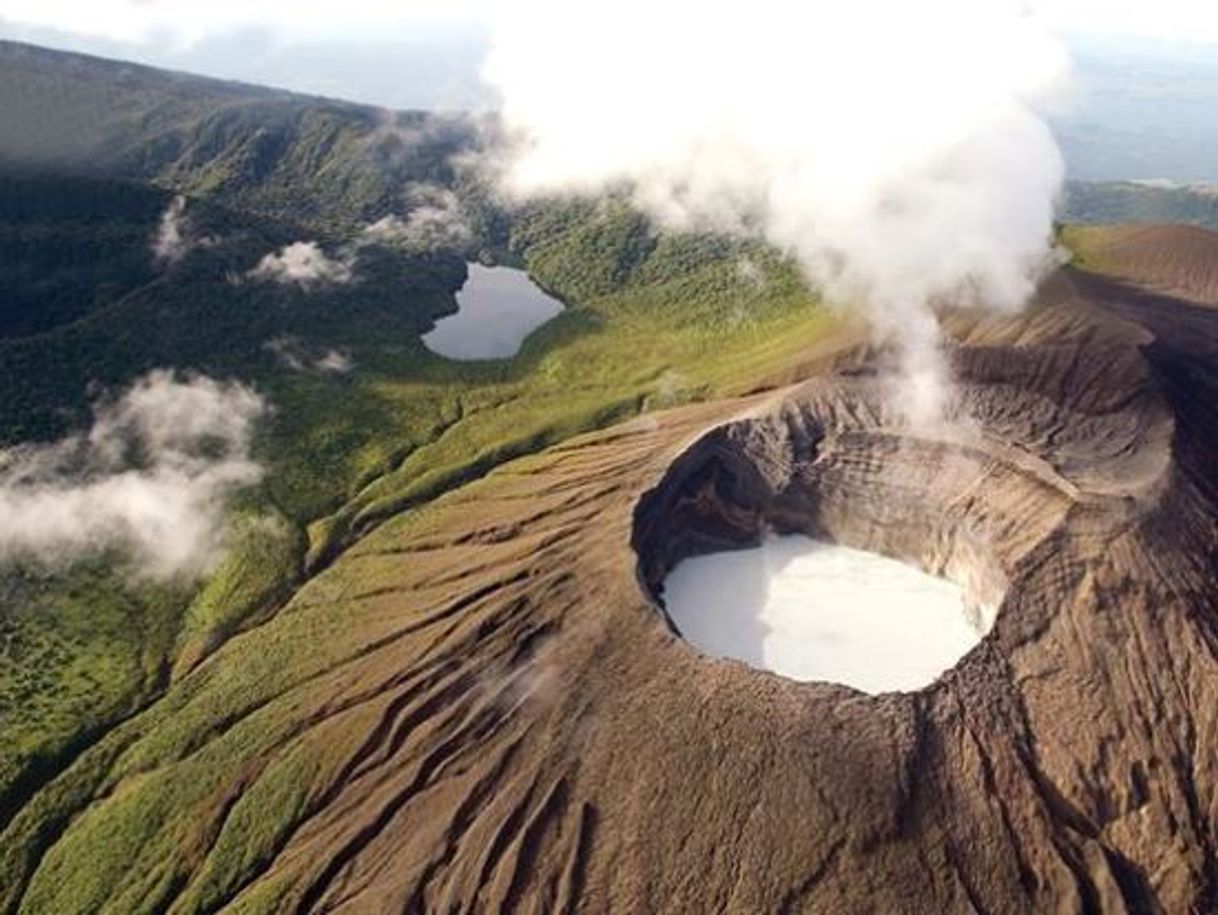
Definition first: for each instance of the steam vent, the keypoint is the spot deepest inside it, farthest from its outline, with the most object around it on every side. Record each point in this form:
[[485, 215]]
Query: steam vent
[[496, 714]]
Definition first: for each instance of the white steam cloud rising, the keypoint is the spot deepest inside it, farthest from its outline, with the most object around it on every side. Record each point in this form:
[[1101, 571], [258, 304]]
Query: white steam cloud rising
[[894, 148], [150, 477]]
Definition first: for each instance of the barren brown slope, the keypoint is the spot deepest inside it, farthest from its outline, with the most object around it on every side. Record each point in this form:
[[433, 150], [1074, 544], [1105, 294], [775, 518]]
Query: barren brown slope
[[481, 706], [1176, 260]]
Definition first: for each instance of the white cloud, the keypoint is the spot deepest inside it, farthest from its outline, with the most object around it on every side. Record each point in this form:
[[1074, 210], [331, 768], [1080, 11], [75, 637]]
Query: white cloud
[[387, 229], [334, 362], [435, 223], [168, 245], [174, 238], [150, 477], [295, 354], [289, 351], [303, 264]]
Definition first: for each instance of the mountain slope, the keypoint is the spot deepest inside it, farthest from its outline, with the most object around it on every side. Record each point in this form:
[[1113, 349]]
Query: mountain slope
[[326, 163], [482, 707], [448, 681], [1180, 260], [650, 320], [1106, 202], [70, 245]]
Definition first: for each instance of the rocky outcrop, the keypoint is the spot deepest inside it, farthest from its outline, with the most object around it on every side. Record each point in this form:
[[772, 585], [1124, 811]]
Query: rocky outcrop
[[482, 705]]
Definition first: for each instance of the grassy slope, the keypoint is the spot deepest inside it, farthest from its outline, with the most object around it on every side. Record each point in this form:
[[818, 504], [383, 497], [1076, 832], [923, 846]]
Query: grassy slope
[[82, 305], [89, 643], [652, 322], [327, 164]]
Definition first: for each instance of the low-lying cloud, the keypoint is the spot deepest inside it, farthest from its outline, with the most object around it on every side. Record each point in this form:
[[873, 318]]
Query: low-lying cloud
[[175, 237], [334, 362], [895, 149], [295, 354], [436, 222], [304, 264], [150, 477]]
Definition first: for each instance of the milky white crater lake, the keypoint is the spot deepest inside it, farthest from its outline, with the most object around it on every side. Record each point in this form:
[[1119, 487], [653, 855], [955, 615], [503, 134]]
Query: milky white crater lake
[[819, 611], [497, 308]]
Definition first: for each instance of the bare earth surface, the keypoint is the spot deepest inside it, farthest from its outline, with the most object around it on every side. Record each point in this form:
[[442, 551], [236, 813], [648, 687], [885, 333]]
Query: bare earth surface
[[1177, 260], [481, 706]]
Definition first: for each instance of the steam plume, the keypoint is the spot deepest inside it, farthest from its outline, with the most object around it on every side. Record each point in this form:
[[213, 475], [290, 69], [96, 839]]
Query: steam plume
[[894, 148]]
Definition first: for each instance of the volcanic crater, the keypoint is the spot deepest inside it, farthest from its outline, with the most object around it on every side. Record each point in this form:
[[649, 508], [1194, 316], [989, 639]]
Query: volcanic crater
[[1010, 476], [1061, 765]]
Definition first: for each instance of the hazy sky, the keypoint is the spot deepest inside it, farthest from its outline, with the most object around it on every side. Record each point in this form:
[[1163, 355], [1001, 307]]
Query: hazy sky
[[1145, 88], [190, 20], [412, 53], [429, 62]]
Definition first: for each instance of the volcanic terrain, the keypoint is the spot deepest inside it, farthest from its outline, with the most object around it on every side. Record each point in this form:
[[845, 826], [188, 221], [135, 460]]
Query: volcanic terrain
[[481, 705]]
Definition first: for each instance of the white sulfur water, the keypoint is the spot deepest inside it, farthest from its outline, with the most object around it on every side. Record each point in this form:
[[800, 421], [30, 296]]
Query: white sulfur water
[[819, 611], [497, 308]]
